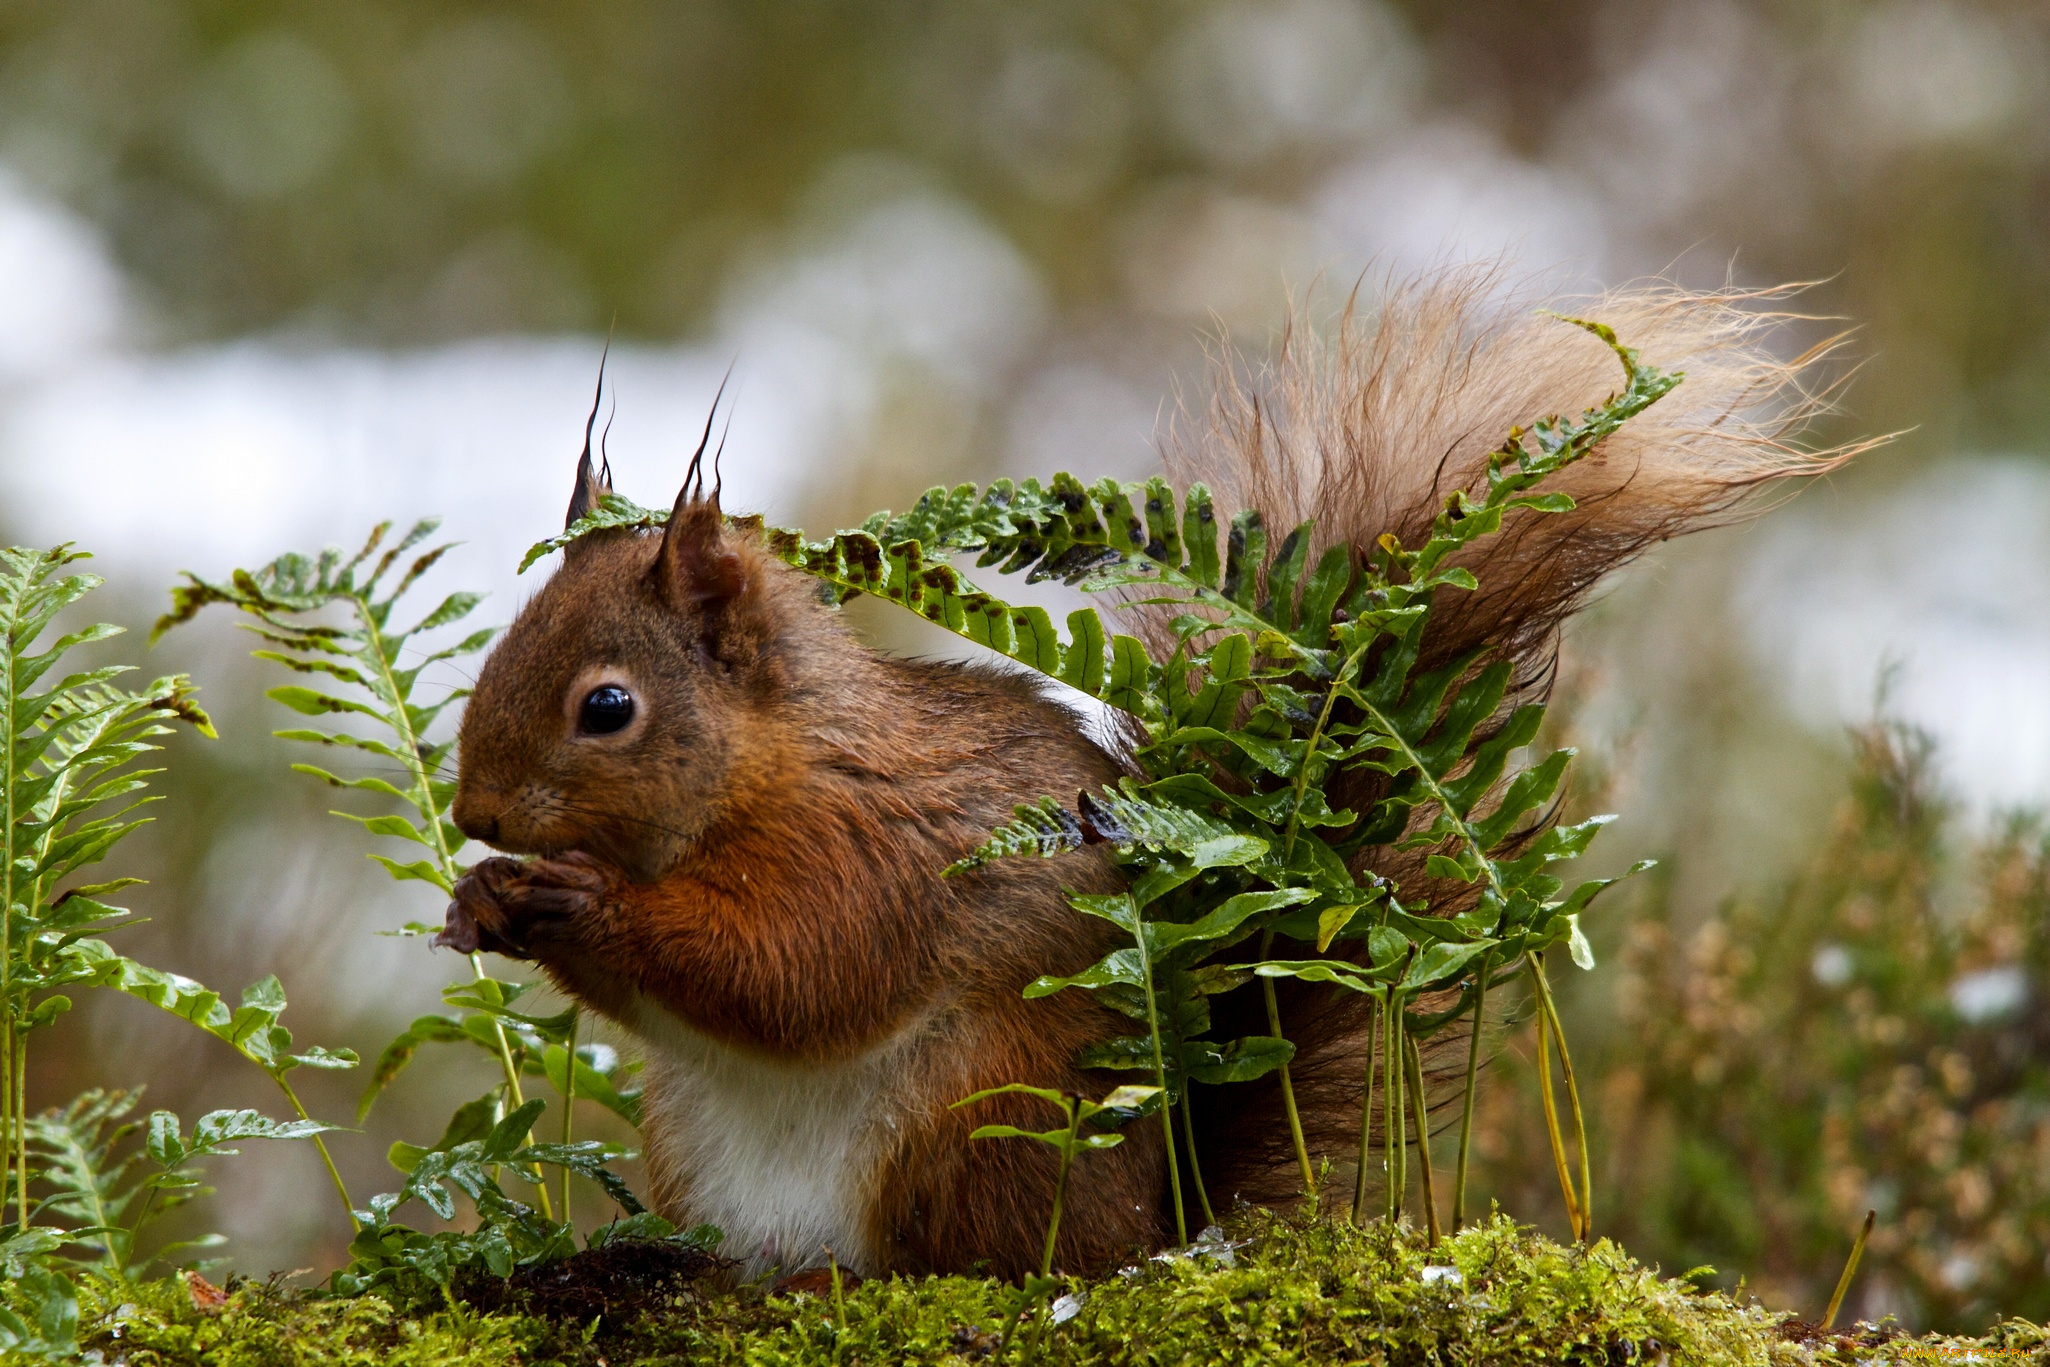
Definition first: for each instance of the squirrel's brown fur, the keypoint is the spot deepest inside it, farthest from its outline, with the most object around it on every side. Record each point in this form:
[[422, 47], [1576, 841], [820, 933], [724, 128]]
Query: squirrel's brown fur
[[748, 874]]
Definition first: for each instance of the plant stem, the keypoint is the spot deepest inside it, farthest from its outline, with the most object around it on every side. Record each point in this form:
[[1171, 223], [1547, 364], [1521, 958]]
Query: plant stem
[[569, 1105], [1438, 794], [1843, 1283], [13, 1127], [1004, 1339], [1392, 1124], [20, 1107], [1267, 991], [505, 1058], [1494, 882], [1473, 1063], [16, 1129], [1295, 1119], [516, 1096], [1359, 1180], [839, 1294], [1174, 1174], [319, 1143], [6, 1107], [1551, 1011], [1423, 1139], [410, 746], [132, 1233], [1550, 1103], [1060, 1184], [1031, 1353], [1195, 1168], [36, 891]]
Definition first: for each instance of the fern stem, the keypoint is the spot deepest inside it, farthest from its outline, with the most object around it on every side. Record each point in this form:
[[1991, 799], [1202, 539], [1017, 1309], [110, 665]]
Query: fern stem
[[516, 1096], [1415, 1060], [1843, 1283], [35, 893], [1442, 798], [6, 1108], [17, 1119], [1267, 989], [1295, 1119], [1392, 1124], [133, 1233], [410, 745], [21, 1124], [569, 1106], [1195, 1168], [1550, 1102], [1060, 1184], [334, 1173], [1551, 1011], [7, 1122], [509, 1073], [116, 1262], [1359, 1180], [1174, 1174], [15, 1137], [1473, 1064], [1494, 881]]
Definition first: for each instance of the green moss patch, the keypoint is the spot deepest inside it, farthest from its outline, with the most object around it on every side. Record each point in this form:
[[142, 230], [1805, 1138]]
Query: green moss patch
[[1287, 1290]]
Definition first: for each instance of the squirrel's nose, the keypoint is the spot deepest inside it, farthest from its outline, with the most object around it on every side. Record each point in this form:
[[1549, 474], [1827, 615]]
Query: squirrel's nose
[[478, 828]]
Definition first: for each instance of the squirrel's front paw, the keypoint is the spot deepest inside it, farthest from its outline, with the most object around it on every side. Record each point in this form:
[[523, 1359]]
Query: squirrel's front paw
[[512, 906]]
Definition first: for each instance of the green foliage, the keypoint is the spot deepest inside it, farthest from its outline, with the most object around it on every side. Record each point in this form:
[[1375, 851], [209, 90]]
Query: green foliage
[[68, 794], [109, 1177], [538, 1044], [1282, 1291], [1067, 1140], [1284, 677], [1867, 1033], [406, 1265], [38, 1304], [293, 603], [251, 1028], [68, 791], [365, 653], [471, 1154]]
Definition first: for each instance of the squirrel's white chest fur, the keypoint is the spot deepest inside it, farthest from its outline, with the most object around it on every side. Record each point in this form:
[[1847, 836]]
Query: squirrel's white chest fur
[[781, 1156]]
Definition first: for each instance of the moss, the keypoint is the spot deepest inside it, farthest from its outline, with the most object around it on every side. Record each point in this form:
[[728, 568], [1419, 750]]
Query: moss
[[1296, 1291], [261, 1327]]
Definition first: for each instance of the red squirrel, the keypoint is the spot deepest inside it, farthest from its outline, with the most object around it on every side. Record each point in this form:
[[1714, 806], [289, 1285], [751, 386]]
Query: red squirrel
[[730, 817]]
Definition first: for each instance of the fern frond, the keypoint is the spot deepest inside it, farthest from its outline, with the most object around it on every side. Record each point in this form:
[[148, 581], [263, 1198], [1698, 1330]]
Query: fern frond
[[69, 791], [367, 654], [291, 604]]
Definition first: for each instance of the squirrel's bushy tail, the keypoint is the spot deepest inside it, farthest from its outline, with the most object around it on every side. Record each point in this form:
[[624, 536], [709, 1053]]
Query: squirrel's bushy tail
[[1368, 428]]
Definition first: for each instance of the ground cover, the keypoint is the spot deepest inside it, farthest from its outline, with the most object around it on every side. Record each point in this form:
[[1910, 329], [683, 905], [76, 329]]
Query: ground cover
[[1277, 1290]]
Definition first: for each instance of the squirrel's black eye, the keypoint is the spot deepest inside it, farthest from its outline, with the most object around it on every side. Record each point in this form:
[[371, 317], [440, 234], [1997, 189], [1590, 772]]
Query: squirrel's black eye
[[606, 710]]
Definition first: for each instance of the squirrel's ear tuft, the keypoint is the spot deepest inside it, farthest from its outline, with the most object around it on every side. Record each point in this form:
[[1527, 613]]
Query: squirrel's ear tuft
[[591, 481], [696, 568]]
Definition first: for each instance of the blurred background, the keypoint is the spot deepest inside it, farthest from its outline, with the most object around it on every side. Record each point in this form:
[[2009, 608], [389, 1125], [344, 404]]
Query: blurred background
[[272, 272]]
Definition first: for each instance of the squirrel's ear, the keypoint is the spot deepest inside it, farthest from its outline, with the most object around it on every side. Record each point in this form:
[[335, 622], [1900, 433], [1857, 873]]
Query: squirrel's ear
[[696, 568], [590, 484]]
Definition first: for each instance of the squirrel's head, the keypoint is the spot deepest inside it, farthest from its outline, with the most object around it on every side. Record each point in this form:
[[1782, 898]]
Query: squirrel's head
[[638, 695]]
